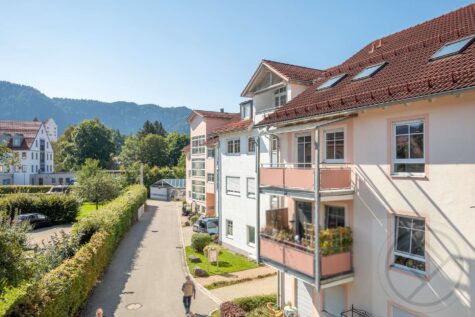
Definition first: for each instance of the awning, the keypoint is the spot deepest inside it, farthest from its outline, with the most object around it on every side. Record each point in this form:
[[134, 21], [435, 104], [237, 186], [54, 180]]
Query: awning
[[303, 127]]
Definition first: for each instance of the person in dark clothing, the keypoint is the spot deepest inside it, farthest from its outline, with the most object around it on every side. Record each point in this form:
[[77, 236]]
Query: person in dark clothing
[[188, 290]]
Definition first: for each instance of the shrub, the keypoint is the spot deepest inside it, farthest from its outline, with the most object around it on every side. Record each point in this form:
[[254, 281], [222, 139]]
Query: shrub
[[335, 240], [63, 290], [199, 241], [258, 312], [252, 302], [16, 189], [212, 245], [230, 309], [193, 219]]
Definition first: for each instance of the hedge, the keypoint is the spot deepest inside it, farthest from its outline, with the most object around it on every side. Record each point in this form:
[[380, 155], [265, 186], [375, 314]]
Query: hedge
[[32, 189], [60, 208], [62, 291], [252, 302]]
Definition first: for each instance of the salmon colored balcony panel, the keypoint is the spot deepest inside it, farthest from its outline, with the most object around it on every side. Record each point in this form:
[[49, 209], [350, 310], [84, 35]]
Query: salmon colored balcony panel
[[272, 177], [300, 178], [299, 260], [272, 250], [335, 178], [336, 264]]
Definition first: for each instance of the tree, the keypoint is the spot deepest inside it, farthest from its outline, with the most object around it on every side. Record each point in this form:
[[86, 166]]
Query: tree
[[152, 128], [176, 142], [130, 152], [95, 184], [153, 150], [8, 158]]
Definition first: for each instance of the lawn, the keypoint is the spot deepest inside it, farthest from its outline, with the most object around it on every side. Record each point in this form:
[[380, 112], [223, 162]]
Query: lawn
[[228, 262], [85, 210]]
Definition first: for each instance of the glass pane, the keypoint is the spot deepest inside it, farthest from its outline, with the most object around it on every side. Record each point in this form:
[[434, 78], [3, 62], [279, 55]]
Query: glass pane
[[339, 150], [417, 247], [308, 139], [402, 129], [415, 168], [418, 224], [308, 153], [300, 153], [330, 151], [330, 136], [402, 147], [403, 240], [339, 135], [405, 222], [417, 127], [417, 146]]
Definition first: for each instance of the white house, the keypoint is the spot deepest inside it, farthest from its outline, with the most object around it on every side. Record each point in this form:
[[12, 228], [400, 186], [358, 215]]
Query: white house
[[31, 144]]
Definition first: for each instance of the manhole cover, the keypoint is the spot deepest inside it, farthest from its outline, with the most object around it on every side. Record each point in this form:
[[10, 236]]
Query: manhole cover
[[133, 306], [154, 230], [179, 247]]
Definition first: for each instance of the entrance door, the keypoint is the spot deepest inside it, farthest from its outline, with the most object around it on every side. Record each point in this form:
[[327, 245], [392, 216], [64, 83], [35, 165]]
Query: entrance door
[[40, 181], [305, 299], [304, 216], [334, 300]]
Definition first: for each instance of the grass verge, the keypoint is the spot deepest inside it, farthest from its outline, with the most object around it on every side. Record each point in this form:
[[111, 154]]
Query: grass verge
[[85, 210]]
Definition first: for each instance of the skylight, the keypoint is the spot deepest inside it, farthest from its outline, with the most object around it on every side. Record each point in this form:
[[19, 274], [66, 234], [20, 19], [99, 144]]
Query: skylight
[[331, 82], [453, 48], [369, 71]]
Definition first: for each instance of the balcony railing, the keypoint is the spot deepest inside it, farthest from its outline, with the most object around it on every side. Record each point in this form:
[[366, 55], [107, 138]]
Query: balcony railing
[[279, 248], [301, 177]]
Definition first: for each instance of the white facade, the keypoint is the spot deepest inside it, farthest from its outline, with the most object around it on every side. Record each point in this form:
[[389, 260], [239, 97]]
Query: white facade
[[51, 129]]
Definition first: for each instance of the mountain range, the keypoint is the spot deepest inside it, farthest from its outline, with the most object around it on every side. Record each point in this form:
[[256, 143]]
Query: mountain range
[[19, 102]]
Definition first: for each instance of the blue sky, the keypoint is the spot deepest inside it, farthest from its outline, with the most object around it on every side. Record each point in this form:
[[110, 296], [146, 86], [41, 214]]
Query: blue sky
[[198, 54]]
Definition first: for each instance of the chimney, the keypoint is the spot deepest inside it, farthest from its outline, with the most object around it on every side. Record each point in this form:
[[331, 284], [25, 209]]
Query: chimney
[[221, 110]]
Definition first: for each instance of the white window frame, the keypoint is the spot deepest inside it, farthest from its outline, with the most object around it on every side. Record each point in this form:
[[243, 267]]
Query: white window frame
[[251, 141], [409, 160], [198, 195], [306, 164], [198, 172], [235, 148], [335, 130], [210, 153], [229, 225], [408, 255], [278, 94], [208, 177], [248, 235], [198, 146], [249, 194], [233, 192]]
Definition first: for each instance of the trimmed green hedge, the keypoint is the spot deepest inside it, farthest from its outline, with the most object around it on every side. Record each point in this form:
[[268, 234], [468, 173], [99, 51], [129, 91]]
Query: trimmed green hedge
[[32, 189], [60, 208], [252, 302], [62, 291]]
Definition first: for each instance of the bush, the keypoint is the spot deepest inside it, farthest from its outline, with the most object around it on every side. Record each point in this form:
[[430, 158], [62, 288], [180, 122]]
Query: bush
[[199, 241], [16, 189], [62, 291], [193, 219], [252, 302], [230, 309], [60, 208]]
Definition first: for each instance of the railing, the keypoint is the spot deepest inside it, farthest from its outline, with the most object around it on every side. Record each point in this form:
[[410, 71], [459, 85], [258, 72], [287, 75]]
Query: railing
[[354, 312]]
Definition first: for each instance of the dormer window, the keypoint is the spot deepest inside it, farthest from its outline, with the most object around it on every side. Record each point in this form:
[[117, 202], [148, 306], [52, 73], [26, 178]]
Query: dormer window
[[280, 97], [17, 139], [246, 110], [453, 48], [369, 71], [331, 82]]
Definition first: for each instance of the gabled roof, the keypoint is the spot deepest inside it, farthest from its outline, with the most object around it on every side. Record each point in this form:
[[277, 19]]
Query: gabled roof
[[213, 114], [409, 72], [286, 71], [29, 130], [234, 126]]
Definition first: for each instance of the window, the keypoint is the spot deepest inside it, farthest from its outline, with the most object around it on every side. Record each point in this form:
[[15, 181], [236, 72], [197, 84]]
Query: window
[[251, 187], [274, 151], [198, 145], [304, 151], [251, 145], [36, 155], [210, 153], [23, 155], [229, 228], [198, 190], [32, 155], [6, 182], [233, 186], [334, 217], [24, 168], [251, 235], [408, 152], [189, 193], [210, 178], [32, 168], [280, 97], [246, 110], [331, 82], [234, 146], [369, 71], [198, 167], [335, 145], [276, 202], [409, 248], [453, 48], [53, 180]]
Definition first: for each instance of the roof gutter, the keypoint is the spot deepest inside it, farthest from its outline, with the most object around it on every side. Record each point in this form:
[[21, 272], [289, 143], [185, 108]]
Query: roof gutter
[[379, 105]]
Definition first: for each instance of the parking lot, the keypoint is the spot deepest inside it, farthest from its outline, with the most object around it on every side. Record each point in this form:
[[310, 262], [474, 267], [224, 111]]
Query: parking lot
[[44, 234]]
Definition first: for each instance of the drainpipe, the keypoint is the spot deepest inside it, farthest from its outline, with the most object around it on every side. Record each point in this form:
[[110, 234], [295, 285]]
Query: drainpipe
[[317, 209], [217, 184], [258, 198]]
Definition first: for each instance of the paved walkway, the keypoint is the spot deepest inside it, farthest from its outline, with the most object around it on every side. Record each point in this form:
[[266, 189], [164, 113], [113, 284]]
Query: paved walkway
[[263, 286], [145, 276], [252, 273]]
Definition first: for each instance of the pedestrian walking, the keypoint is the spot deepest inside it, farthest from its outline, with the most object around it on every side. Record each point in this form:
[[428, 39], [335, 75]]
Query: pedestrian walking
[[99, 312], [188, 290]]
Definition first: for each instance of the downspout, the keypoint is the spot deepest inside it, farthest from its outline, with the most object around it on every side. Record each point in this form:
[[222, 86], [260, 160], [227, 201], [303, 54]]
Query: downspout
[[317, 209], [258, 198], [217, 181]]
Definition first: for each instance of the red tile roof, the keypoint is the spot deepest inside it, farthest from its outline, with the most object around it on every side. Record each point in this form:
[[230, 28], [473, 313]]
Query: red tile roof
[[407, 74], [29, 130], [234, 126], [216, 114], [294, 72]]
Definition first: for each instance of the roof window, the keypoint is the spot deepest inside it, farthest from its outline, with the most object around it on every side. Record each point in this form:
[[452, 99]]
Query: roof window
[[331, 82], [369, 71], [452, 48]]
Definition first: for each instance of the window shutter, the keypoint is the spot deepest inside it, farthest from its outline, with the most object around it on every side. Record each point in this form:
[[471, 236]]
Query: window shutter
[[251, 186], [232, 184]]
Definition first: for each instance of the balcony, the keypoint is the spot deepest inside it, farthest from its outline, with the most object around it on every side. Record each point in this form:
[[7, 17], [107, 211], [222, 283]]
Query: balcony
[[279, 249], [293, 180]]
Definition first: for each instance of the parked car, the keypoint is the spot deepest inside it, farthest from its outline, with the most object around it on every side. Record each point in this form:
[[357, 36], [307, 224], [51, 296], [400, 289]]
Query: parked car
[[59, 189], [34, 219], [207, 225]]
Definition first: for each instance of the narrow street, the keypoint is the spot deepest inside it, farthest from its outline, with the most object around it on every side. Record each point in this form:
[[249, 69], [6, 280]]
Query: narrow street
[[146, 273]]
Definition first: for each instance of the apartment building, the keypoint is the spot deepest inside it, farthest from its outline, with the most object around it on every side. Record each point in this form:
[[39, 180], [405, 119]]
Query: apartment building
[[31, 145], [272, 85], [375, 178], [200, 166]]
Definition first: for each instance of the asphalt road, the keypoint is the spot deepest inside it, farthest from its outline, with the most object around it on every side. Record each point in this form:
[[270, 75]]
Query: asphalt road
[[145, 276]]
